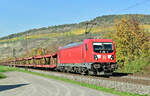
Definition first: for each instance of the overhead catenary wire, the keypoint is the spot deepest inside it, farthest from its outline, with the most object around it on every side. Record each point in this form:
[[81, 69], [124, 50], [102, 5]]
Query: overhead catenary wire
[[134, 5]]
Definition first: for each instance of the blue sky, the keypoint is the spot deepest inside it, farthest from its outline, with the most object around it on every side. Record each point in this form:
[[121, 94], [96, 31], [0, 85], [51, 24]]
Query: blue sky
[[20, 15]]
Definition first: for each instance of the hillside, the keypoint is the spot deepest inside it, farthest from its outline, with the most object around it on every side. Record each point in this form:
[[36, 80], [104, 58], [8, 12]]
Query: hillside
[[53, 36]]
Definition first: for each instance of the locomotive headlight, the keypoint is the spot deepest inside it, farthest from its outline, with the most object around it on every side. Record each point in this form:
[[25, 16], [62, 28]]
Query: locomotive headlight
[[95, 57], [112, 57]]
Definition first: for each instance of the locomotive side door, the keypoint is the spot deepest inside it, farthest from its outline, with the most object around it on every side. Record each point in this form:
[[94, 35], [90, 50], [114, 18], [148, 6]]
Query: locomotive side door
[[84, 49], [86, 53]]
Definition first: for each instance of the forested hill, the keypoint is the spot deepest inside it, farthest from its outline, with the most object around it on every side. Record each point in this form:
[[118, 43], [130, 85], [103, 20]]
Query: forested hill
[[51, 37], [107, 20]]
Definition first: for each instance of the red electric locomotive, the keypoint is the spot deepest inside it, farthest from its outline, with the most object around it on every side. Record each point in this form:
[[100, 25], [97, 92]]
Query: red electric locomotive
[[92, 56]]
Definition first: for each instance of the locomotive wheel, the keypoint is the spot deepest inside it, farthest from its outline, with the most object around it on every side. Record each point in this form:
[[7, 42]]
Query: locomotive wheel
[[68, 69], [91, 72], [64, 69], [61, 69], [83, 71]]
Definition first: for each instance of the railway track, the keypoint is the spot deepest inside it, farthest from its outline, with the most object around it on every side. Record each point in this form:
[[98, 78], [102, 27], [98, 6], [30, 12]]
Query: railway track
[[119, 81]]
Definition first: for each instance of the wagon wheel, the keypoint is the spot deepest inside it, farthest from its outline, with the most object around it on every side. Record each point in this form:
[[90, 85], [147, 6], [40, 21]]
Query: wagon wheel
[[91, 72]]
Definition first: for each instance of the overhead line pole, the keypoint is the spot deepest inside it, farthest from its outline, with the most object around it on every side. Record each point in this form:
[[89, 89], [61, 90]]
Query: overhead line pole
[[27, 44], [87, 31], [26, 48]]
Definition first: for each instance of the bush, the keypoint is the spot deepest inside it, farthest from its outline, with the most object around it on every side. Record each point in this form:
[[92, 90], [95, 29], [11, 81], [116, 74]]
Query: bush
[[137, 65]]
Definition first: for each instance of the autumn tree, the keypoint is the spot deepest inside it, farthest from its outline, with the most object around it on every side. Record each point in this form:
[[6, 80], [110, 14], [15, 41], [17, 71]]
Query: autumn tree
[[131, 39]]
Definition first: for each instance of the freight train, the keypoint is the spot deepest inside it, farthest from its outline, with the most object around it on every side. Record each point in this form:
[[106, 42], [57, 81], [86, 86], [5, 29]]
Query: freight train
[[92, 56]]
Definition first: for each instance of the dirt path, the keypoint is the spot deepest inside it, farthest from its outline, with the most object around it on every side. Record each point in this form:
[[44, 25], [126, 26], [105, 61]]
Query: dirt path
[[23, 84]]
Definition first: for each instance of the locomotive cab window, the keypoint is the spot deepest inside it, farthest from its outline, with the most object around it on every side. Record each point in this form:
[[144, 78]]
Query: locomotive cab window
[[100, 47]]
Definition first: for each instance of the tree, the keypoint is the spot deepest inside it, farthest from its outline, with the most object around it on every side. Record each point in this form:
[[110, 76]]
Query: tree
[[131, 40]]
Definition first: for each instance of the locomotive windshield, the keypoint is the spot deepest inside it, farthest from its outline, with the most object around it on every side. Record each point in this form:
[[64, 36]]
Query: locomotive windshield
[[102, 47]]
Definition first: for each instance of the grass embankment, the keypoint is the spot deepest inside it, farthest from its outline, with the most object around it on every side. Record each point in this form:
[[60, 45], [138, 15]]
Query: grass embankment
[[5, 69], [2, 76], [99, 88], [137, 66]]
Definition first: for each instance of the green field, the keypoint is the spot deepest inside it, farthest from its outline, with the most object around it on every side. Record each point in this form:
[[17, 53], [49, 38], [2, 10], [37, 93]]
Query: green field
[[5, 69]]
